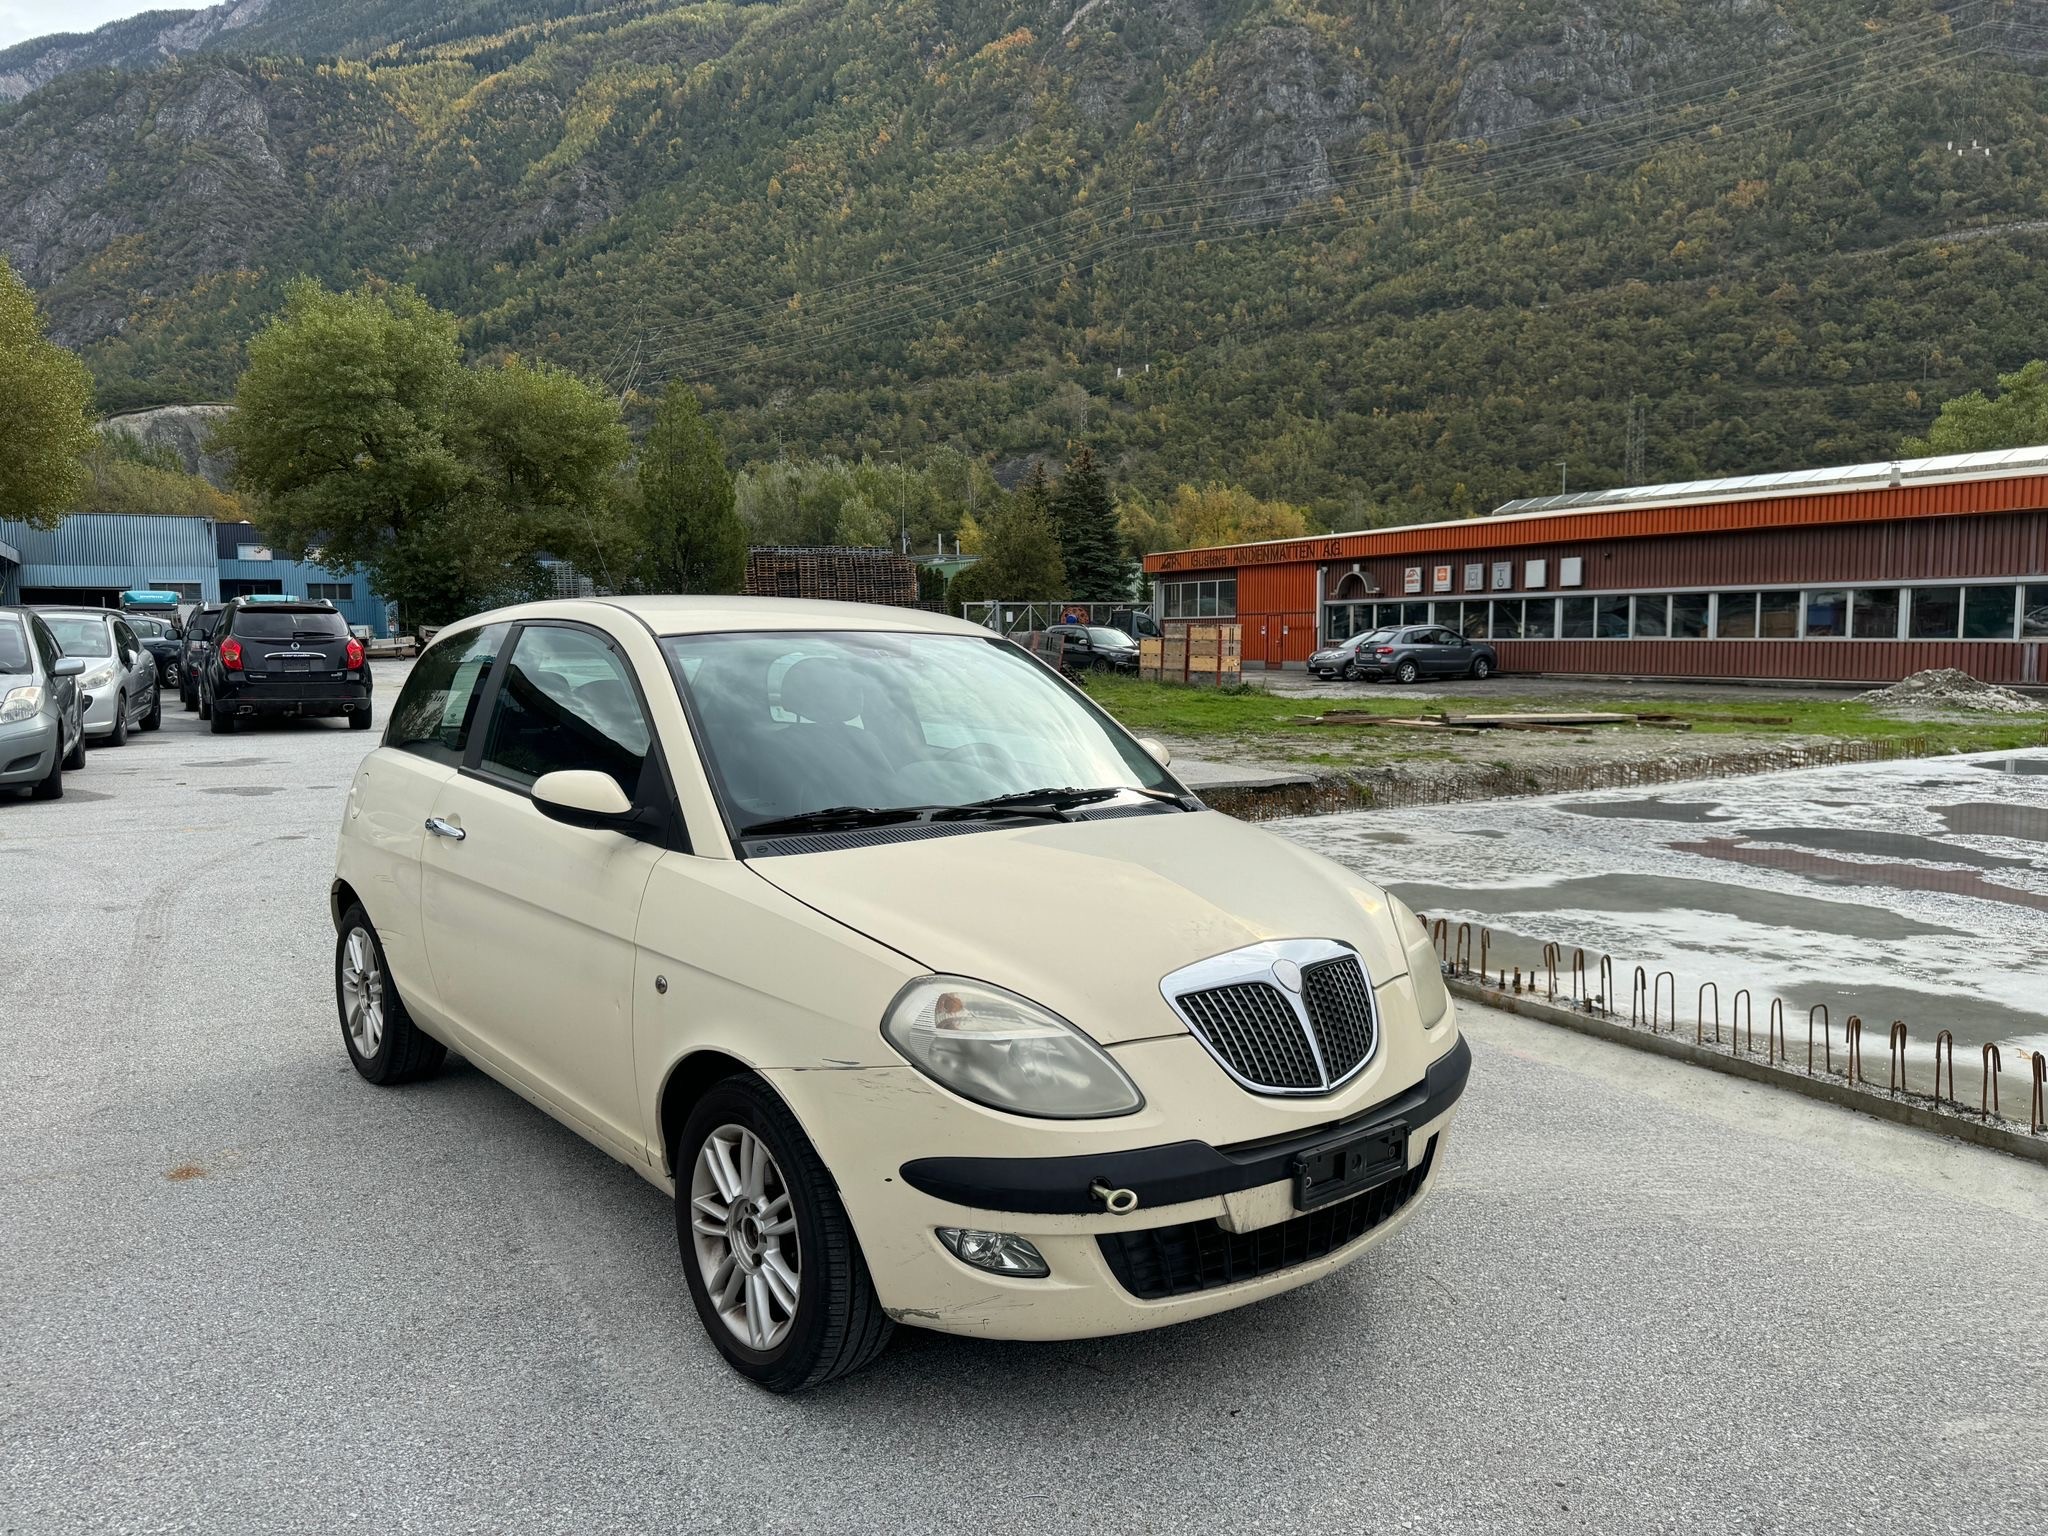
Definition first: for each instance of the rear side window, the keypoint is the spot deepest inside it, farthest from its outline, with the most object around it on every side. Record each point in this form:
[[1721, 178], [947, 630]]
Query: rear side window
[[202, 625], [289, 624], [566, 702], [14, 648], [438, 703]]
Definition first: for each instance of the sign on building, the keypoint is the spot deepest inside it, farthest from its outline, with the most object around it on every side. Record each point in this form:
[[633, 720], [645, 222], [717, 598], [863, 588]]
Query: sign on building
[[1503, 575], [1475, 577], [1571, 572], [1442, 583], [1411, 579], [1533, 573]]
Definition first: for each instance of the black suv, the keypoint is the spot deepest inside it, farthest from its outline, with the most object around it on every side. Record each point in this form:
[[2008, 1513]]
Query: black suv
[[198, 630], [1094, 647], [283, 658], [159, 637]]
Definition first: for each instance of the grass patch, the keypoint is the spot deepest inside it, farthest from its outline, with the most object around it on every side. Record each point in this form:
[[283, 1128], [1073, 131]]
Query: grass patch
[[1250, 711]]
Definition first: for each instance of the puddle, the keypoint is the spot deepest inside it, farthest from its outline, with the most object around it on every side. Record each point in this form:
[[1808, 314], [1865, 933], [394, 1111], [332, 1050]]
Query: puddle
[[1691, 813], [1911, 890], [2034, 766]]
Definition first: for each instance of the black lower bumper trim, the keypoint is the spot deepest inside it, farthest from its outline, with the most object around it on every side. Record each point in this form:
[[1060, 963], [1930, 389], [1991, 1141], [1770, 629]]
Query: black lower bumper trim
[[1176, 1172]]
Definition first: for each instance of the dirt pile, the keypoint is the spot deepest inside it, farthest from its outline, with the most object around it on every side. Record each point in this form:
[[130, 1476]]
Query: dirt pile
[[1948, 691]]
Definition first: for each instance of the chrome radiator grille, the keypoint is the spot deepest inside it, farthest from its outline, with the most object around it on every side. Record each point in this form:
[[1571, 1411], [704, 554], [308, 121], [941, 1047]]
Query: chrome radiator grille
[[1292, 1016]]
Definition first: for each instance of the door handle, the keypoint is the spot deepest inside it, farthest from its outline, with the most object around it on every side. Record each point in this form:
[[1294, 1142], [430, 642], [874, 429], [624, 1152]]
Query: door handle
[[440, 826]]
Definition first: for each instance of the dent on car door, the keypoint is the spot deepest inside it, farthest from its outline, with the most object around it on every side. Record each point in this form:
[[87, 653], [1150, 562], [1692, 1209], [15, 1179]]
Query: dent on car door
[[530, 922], [394, 792]]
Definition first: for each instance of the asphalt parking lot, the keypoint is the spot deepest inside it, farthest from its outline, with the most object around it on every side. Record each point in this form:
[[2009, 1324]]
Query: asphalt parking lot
[[241, 1290]]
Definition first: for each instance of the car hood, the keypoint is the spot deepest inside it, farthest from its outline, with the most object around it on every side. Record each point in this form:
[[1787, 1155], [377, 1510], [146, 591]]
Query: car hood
[[1086, 917]]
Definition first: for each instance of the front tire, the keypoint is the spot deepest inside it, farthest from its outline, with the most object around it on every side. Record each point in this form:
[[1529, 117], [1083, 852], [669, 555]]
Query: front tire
[[51, 785], [1407, 672], [119, 738], [769, 1254], [75, 758], [382, 1041]]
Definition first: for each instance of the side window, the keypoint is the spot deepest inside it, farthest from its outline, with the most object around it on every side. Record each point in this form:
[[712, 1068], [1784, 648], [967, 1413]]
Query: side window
[[566, 702], [124, 637], [46, 643], [438, 703]]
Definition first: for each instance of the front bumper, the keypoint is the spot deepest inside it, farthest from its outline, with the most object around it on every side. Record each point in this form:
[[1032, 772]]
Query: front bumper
[[1216, 1227], [26, 747], [99, 709]]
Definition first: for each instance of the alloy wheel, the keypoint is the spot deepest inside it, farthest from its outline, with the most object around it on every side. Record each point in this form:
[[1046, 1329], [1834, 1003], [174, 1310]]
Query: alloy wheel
[[743, 1226], [362, 994]]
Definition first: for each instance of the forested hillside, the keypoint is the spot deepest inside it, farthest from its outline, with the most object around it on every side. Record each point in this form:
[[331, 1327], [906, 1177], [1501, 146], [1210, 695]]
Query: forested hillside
[[1387, 258]]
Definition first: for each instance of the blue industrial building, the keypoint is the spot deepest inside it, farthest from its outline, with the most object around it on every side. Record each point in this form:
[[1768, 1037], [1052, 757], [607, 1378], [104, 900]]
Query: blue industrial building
[[93, 557]]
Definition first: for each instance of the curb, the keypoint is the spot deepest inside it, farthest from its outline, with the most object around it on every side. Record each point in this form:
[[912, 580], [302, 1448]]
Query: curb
[[1828, 1090]]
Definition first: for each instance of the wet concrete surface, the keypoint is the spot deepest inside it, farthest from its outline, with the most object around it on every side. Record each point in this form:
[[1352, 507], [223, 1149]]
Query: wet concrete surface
[[1911, 890]]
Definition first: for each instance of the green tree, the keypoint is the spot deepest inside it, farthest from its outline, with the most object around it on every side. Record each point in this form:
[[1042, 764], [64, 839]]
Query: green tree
[[691, 537], [1976, 423], [1020, 556], [45, 420], [363, 433], [1099, 568]]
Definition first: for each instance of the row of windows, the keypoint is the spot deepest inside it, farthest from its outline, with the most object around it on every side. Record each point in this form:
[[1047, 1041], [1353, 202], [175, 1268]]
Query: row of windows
[[1216, 599], [333, 591], [2009, 612]]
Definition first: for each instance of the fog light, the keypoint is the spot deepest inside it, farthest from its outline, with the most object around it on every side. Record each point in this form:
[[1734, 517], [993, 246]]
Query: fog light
[[1000, 1253]]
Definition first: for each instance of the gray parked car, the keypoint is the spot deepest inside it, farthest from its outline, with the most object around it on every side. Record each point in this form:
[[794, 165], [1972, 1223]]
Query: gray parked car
[[42, 721], [1424, 650], [1341, 660], [120, 681]]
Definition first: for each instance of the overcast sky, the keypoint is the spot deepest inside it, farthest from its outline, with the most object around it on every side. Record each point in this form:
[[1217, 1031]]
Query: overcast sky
[[32, 18]]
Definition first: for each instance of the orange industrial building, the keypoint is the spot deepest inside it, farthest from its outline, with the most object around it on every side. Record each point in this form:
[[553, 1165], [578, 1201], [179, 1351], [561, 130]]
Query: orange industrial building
[[1861, 574]]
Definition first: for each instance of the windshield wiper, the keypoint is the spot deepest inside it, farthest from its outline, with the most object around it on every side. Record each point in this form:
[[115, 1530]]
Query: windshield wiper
[[835, 818]]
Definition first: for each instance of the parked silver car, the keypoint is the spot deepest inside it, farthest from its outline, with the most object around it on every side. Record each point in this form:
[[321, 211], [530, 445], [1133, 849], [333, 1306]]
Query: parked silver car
[[42, 722], [119, 681]]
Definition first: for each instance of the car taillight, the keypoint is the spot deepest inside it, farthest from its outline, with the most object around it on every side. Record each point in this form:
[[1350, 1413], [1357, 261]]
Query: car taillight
[[354, 654], [1385, 650], [231, 655]]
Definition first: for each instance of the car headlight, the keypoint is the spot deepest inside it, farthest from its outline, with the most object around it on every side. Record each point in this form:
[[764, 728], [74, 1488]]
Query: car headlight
[[98, 677], [1004, 1051], [1432, 997], [20, 704]]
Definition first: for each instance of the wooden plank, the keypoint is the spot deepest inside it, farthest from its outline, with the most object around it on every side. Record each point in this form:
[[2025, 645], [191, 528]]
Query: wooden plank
[[1557, 717]]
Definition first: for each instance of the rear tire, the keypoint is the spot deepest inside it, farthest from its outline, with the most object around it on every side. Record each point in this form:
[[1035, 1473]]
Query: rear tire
[[838, 1324], [75, 758], [359, 719], [155, 717], [51, 785], [1481, 668], [1407, 672], [382, 1041], [223, 724], [120, 735]]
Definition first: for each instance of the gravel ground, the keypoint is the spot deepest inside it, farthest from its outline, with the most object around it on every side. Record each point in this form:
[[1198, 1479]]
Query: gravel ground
[[244, 1291]]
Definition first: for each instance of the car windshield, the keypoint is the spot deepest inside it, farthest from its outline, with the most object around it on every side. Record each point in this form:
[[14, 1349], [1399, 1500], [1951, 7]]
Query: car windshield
[[81, 634], [1115, 639], [13, 648], [795, 722], [288, 624]]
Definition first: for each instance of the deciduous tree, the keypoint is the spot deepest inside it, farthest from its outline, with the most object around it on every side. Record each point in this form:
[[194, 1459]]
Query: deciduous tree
[[691, 537], [2017, 417], [45, 420]]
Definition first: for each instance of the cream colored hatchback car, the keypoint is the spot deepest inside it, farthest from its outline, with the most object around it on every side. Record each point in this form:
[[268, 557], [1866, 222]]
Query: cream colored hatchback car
[[926, 990]]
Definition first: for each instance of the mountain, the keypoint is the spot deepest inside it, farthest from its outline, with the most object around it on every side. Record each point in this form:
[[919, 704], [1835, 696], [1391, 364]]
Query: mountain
[[1390, 258]]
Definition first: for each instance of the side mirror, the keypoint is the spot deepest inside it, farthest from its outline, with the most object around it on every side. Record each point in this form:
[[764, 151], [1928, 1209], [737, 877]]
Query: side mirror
[[68, 666], [1157, 748], [581, 797]]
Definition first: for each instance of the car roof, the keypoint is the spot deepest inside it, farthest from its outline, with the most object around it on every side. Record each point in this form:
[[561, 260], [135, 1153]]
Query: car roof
[[80, 610], [692, 615]]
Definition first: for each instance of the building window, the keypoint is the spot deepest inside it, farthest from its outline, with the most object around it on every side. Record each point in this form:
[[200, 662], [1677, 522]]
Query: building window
[[333, 591], [190, 591], [1874, 614], [1472, 621], [1934, 613], [1827, 614], [1778, 616], [1652, 621], [1987, 613], [1610, 618], [1689, 616], [1735, 616], [252, 552], [2034, 614], [1507, 620], [1200, 599], [1575, 620], [1539, 620], [1343, 620]]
